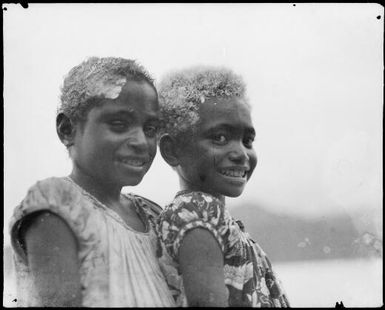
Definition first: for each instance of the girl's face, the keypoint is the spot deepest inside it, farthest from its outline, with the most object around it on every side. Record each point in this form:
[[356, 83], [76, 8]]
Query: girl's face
[[220, 157], [117, 143]]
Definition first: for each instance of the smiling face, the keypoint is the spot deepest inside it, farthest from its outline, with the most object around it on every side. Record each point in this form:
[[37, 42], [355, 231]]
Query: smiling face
[[117, 143], [219, 158]]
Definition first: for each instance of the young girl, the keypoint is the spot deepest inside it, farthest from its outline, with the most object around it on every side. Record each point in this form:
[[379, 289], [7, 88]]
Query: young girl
[[78, 240], [207, 257]]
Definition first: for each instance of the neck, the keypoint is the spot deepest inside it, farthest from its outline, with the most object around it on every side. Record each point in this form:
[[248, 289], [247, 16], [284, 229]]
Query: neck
[[185, 185], [106, 193]]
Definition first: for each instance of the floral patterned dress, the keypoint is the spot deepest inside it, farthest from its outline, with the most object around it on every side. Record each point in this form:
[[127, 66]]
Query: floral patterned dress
[[248, 273], [118, 265]]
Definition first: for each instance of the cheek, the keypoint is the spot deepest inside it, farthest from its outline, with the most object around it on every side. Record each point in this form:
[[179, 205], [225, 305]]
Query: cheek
[[208, 162], [196, 163], [253, 160], [203, 168], [152, 147], [105, 145], [102, 149]]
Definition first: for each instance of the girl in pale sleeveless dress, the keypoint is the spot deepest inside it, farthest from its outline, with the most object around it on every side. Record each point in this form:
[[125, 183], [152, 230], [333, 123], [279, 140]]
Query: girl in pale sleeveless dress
[[77, 240]]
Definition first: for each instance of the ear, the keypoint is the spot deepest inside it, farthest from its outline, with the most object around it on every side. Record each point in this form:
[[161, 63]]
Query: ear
[[65, 129], [169, 150]]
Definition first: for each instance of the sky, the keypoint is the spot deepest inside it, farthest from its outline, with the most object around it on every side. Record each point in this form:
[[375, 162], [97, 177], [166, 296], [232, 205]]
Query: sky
[[314, 74]]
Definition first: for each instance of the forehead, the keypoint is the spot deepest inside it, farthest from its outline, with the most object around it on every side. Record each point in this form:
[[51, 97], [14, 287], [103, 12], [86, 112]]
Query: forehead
[[137, 98], [232, 111], [138, 93]]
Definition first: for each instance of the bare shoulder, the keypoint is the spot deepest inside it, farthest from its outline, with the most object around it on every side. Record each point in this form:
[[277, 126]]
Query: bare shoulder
[[43, 230], [51, 249], [201, 240], [201, 262]]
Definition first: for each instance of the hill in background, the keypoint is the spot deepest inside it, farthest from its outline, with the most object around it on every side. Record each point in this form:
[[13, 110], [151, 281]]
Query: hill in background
[[290, 238]]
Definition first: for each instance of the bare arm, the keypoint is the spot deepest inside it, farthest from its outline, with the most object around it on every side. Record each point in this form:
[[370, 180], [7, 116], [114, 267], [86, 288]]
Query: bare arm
[[52, 257], [201, 262]]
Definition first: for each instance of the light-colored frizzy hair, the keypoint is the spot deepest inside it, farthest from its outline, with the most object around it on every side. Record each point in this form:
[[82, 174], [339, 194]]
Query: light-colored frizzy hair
[[182, 92], [97, 78]]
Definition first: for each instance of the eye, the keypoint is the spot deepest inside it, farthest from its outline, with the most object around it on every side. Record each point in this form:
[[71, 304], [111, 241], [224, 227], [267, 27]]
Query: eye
[[118, 125], [248, 142], [220, 139], [150, 130]]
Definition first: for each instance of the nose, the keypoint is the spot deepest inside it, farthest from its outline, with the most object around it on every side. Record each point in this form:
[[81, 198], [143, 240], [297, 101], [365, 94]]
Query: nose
[[138, 139], [239, 153]]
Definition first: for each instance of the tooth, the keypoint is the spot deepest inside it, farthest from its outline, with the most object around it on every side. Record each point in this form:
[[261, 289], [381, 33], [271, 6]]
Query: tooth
[[233, 173]]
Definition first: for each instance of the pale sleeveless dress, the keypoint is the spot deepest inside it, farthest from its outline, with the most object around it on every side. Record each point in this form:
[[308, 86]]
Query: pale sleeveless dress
[[118, 265]]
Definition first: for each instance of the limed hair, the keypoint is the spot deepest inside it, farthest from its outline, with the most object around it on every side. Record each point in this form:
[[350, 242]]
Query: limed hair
[[97, 78], [182, 92]]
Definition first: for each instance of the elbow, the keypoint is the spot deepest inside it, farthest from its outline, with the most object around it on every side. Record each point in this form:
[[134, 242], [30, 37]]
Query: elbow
[[210, 300], [50, 298]]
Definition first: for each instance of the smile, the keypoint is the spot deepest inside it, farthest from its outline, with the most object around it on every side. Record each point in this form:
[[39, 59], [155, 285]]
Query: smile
[[234, 172], [133, 162]]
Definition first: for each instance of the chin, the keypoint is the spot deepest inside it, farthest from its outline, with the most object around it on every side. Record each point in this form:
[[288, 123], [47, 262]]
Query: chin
[[133, 182], [233, 193]]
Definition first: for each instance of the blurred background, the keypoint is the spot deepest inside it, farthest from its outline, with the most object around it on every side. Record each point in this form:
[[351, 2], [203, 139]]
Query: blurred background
[[315, 80]]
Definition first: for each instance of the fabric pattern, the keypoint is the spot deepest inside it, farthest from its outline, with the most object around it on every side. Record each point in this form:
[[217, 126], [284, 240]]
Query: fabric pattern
[[247, 270], [118, 265]]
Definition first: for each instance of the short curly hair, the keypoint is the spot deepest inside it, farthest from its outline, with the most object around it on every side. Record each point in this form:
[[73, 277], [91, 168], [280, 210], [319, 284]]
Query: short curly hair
[[181, 92], [97, 78]]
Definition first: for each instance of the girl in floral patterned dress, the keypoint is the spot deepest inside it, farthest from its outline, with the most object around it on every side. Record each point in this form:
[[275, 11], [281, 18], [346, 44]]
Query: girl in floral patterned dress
[[207, 137], [78, 240]]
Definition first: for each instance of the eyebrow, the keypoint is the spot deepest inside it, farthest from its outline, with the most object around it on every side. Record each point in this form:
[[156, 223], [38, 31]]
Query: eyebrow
[[229, 128], [124, 113], [127, 114]]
